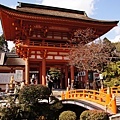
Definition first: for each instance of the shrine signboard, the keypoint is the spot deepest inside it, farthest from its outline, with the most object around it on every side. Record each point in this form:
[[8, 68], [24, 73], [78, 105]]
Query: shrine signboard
[[19, 75]]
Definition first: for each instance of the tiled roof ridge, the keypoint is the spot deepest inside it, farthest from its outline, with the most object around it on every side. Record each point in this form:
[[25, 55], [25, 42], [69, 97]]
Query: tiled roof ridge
[[43, 10], [9, 54], [28, 5], [20, 9]]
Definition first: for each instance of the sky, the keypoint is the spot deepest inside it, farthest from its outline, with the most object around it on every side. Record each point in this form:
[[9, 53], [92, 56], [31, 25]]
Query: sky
[[96, 9]]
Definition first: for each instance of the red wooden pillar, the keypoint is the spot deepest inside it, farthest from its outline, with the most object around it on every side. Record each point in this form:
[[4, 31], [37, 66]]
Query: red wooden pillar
[[27, 71], [43, 71], [72, 73], [86, 77], [66, 76], [61, 79], [40, 74]]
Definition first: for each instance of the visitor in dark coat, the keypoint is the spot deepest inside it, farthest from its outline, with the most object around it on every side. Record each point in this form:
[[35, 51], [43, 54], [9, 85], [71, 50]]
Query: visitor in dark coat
[[50, 84]]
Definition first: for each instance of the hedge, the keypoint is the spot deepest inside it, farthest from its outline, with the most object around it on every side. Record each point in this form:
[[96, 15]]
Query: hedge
[[94, 115]]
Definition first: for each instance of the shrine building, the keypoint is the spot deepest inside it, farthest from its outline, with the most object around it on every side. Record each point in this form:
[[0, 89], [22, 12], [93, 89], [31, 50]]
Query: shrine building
[[42, 36]]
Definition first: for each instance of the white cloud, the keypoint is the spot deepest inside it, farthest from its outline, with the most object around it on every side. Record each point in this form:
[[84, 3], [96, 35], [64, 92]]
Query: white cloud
[[116, 39], [114, 34], [13, 6], [84, 5], [10, 45], [117, 30]]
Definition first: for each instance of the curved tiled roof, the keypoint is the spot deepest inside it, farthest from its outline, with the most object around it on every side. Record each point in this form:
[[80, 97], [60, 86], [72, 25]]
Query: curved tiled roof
[[15, 62], [34, 9], [11, 59], [48, 15], [52, 11], [14, 59], [55, 11]]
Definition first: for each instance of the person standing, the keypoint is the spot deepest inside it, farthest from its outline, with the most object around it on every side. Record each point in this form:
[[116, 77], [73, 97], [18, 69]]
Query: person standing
[[33, 81], [7, 88], [22, 84], [11, 84], [50, 84], [16, 90]]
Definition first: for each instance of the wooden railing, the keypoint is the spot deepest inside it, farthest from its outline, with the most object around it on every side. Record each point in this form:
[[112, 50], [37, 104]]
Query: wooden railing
[[50, 44], [105, 99], [113, 90]]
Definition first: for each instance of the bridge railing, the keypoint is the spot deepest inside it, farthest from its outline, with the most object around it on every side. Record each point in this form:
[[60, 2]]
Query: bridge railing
[[114, 90], [99, 97]]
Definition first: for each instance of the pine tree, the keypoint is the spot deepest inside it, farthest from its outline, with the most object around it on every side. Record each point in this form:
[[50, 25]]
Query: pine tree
[[3, 44]]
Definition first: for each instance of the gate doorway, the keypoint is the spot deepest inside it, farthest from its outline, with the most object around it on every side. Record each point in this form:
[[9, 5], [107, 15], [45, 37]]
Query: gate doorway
[[55, 75]]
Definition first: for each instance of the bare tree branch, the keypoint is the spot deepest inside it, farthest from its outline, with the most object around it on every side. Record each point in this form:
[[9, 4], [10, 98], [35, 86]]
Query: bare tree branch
[[87, 55]]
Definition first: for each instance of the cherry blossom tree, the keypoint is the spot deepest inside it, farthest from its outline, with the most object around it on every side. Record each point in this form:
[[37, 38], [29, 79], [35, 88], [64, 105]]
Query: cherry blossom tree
[[86, 54]]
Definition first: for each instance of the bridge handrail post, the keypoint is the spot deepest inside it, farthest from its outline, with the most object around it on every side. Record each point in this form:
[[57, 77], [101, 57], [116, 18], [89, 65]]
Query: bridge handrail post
[[62, 96], [67, 94], [84, 94], [101, 90], [114, 106], [108, 95], [94, 95], [112, 89]]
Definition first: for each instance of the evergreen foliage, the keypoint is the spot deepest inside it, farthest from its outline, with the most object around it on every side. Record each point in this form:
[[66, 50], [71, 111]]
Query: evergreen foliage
[[31, 105], [3, 44], [67, 115], [10, 111], [54, 72], [32, 93], [94, 115], [112, 74]]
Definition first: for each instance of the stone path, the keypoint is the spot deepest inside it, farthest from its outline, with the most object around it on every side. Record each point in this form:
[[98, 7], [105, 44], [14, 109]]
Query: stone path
[[57, 92]]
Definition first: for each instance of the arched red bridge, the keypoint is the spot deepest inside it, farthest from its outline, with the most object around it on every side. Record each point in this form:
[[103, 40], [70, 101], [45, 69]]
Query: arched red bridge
[[92, 99]]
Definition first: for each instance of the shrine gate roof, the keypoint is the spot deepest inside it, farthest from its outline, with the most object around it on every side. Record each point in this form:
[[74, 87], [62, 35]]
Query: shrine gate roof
[[51, 11], [49, 16], [34, 9]]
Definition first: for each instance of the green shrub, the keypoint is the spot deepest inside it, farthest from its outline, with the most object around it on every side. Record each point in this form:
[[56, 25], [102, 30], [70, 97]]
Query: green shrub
[[29, 108], [29, 96], [112, 82], [32, 93], [10, 112], [67, 115], [94, 115]]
